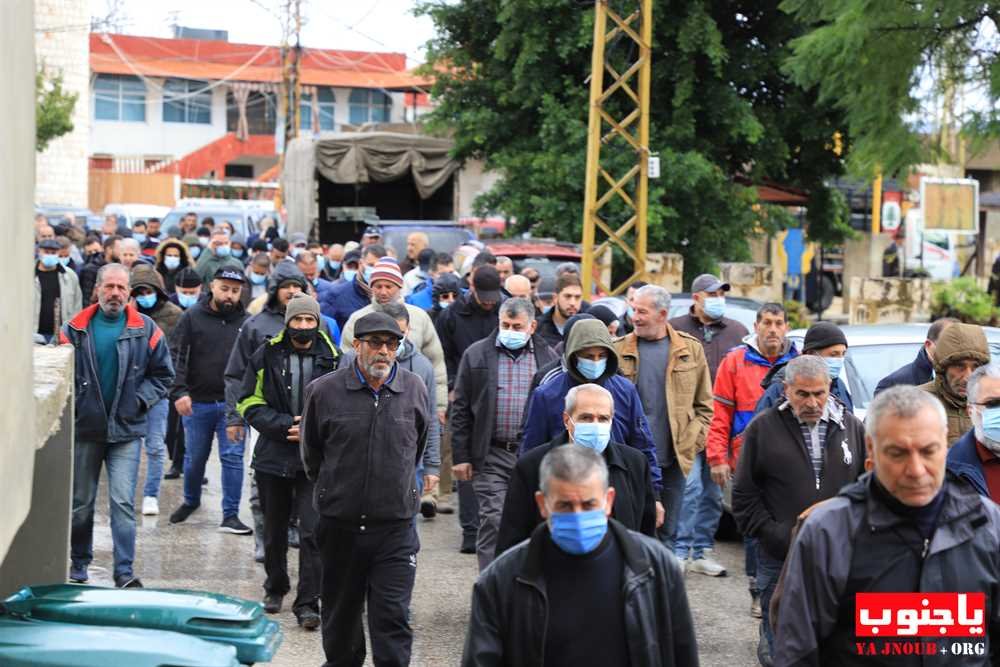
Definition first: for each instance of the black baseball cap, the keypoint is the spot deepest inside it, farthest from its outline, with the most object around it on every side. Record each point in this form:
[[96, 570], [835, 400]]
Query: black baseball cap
[[373, 323], [706, 282], [229, 273], [486, 280]]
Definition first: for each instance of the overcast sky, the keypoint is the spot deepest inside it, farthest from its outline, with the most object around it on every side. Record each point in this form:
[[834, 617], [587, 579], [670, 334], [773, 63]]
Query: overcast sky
[[363, 25]]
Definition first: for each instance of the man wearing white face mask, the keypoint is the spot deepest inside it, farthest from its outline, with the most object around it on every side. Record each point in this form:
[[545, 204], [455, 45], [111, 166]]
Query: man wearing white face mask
[[976, 455], [588, 416], [491, 389]]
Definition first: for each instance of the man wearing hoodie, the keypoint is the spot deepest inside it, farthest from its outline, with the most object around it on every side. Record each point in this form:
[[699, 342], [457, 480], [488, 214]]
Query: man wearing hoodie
[[921, 369], [172, 257], [151, 299], [590, 356], [348, 296], [202, 341], [960, 350], [217, 255], [736, 391]]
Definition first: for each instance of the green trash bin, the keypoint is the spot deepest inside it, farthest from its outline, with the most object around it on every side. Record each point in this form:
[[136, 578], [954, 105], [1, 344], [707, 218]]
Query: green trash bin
[[27, 643], [209, 616]]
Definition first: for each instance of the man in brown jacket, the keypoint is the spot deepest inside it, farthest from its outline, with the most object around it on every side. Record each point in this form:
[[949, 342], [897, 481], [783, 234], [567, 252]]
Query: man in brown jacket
[[959, 351], [676, 392]]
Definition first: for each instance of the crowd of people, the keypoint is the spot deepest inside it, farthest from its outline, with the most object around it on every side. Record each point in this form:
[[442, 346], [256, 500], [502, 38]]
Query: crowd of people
[[585, 450]]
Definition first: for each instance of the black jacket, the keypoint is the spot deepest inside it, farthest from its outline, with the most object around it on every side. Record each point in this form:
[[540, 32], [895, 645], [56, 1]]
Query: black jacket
[[473, 412], [510, 609], [362, 450], [461, 325], [775, 479], [547, 328], [917, 372], [88, 278], [266, 399], [200, 347], [628, 473]]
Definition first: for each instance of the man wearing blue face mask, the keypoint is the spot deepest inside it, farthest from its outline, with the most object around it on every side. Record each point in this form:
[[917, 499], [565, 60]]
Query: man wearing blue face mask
[[826, 340], [584, 590], [57, 291], [707, 321], [218, 255], [975, 457], [491, 389], [588, 416]]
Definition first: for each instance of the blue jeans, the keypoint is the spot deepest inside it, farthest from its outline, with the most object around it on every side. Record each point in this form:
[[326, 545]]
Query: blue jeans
[[122, 462], [208, 419], [700, 512], [768, 571], [672, 495], [155, 445]]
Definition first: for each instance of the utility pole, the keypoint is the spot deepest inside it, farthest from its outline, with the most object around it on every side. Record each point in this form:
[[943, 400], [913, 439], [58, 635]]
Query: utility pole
[[614, 202]]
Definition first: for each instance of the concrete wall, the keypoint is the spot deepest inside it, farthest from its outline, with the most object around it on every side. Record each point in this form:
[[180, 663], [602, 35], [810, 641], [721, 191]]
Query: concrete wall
[[472, 180], [753, 281], [17, 183], [888, 300], [62, 45]]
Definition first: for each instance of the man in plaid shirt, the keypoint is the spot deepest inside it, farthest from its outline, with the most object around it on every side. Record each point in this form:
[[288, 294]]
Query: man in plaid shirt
[[491, 390]]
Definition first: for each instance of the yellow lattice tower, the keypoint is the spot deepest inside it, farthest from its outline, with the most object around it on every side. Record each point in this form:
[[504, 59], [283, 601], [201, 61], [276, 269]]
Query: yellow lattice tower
[[619, 123]]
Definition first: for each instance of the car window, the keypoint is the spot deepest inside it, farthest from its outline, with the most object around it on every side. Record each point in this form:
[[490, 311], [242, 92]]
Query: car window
[[444, 239], [870, 363]]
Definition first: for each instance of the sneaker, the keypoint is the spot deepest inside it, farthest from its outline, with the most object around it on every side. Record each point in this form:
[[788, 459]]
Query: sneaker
[[468, 544], [258, 552], [428, 508], [78, 574], [232, 524], [445, 509], [755, 606], [173, 473], [127, 581], [182, 513], [272, 603], [308, 619], [150, 506], [707, 567]]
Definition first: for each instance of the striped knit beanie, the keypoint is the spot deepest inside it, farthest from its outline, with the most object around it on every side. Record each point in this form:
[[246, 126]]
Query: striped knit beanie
[[387, 269]]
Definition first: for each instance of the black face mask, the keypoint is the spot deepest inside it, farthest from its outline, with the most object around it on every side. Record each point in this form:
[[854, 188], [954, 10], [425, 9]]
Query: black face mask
[[303, 336]]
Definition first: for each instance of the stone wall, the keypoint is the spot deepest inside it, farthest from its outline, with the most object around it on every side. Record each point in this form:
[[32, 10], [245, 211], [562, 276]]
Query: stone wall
[[62, 45], [753, 281], [888, 300], [665, 269]]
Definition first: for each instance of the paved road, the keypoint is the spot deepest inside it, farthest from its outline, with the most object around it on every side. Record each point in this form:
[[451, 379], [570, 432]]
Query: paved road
[[194, 556]]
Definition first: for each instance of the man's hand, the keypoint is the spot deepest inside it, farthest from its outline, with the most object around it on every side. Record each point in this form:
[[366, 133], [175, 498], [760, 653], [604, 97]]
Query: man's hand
[[721, 474], [235, 433], [661, 514], [462, 472], [293, 432], [442, 416], [183, 406], [430, 483]]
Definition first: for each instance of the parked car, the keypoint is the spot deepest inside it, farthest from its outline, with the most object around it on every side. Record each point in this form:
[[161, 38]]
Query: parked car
[[444, 235], [244, 214], [544, 255], [56, 214], [128, 214]]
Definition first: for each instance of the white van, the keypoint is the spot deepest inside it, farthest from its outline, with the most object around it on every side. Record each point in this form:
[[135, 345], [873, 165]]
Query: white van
[[132, 213]]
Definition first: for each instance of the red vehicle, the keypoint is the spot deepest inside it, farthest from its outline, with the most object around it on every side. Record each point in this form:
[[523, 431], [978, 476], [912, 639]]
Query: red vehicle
[[544, 255]]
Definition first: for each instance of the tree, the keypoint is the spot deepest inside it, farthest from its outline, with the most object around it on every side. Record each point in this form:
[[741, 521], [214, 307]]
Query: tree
[[511, 88], [53, 109], [901, 71]]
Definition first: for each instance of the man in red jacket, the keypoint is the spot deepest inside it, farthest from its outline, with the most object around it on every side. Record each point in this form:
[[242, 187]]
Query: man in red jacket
[[737, 390]]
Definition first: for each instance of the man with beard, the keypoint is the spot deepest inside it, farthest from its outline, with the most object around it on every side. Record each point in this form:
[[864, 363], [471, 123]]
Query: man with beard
[[569, 296], [122, 369], [202, 342], [959, 351], [976, 455], [363, 430]]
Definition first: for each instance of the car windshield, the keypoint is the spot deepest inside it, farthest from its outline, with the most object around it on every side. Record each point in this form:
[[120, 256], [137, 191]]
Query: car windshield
[[444, 239]]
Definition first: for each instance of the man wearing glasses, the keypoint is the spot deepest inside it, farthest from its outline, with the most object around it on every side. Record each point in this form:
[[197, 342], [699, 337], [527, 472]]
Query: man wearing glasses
[[363, 431]]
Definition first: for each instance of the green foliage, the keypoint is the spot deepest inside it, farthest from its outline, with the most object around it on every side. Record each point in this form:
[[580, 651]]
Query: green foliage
[[797, 315], [53, 108], [890, 66], [964, 300], [511, 86]]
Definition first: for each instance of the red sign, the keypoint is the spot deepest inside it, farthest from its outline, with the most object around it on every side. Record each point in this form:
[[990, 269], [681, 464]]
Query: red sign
[[920, 615]]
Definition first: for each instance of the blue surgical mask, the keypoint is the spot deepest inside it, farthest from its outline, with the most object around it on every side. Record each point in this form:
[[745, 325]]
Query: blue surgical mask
[[834, 365], [146, 301], [591, 369], [50, 261], [320, 263], [237, 252], [578, 533], [594, 435], [546, 310], [187, 300], [991, 423], [369, 270], [203, 240], [139, 238], [195, 251], [64, 261], [171, 263], [223, 251], [715, 307], [443, 304], [512, 340], [334, 264], [257, 278], [349, 275]]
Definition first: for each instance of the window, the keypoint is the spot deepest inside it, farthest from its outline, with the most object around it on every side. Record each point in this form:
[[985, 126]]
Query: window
[[119, 98], [369, 106], [325, 100], [186, 101], [239, 171], [262, 113]]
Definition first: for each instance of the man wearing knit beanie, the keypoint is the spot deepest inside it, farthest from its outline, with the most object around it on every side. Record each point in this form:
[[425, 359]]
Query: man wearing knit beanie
[[301, 304], [386, 281], [823, 339]]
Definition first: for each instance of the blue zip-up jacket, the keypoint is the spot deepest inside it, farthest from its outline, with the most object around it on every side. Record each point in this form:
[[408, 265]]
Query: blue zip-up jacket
[[342, 299], [145, 374], [963, 460]]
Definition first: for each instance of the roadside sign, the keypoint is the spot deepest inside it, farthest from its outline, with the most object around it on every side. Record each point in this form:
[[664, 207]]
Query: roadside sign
[[950, 204], [892, 215]]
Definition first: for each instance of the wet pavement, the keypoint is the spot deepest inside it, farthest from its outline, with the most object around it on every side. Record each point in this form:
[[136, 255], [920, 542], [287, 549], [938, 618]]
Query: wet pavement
[[193, 555]]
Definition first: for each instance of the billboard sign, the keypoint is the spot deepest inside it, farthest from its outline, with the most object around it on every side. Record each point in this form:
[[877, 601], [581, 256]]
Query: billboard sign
[[950, 204]]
